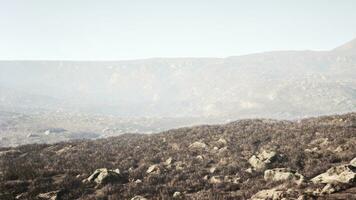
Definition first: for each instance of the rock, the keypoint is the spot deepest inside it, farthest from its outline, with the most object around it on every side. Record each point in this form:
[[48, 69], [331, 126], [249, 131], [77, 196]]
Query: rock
[[338, 174], [216, 179], [222, 141], [353, 162], [212, 170], [249, 170], [262, 160], [32, 135], [336, 178], [321, 142], [138, 181], [180, 165], [269, 194], [168, 161], [197, 145], [103, 176], [223, 150], [153, 169], [177, 195], [199, 157], [232, 179], [49, 195], [338, 149], [138, 198], [283, 174], [11, 151]]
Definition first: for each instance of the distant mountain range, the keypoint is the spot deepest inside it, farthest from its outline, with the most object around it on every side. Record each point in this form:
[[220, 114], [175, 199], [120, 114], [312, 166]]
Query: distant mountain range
[[281, 84]]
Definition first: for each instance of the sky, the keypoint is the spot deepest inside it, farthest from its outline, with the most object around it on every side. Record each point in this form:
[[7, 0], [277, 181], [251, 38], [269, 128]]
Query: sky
[[133, 29]]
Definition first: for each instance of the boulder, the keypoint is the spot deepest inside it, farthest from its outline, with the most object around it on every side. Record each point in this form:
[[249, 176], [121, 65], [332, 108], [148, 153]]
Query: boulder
[[197, 145], [103, 176], [262, 160], [336, 179], [338, 174], [283, 174]]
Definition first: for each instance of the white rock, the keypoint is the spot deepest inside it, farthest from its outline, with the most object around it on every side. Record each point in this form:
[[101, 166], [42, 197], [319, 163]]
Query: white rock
[[197, 145], [138, 198], [338, 174], [153, 169], [283, 174]]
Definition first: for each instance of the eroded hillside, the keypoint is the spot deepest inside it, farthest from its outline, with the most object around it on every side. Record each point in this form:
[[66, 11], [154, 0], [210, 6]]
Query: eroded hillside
[[258, 159]]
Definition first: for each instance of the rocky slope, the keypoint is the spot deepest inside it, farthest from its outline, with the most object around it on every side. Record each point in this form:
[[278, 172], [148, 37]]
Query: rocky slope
[[248, 159]]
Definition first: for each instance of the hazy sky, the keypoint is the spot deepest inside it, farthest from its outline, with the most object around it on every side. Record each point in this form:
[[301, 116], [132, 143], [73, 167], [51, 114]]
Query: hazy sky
[[116, 29]]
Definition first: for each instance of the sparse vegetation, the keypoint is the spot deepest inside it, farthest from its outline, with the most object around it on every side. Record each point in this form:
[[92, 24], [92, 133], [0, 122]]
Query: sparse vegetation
[[309, 147]]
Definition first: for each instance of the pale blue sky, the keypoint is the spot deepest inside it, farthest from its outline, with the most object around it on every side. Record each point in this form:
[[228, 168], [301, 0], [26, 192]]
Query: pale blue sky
[[116, 29]]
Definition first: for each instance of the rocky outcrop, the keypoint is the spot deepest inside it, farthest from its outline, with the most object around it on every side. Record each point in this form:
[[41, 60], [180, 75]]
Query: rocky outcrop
[[338, 174], [336, 178], [262, 160], [104, 176], [283, 174]]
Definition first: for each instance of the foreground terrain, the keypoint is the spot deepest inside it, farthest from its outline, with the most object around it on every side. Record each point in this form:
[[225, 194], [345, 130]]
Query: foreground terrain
[[260, 159]]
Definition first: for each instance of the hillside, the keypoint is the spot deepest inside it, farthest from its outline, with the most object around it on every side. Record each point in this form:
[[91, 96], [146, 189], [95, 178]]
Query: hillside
[[258, 158], [280, 84]]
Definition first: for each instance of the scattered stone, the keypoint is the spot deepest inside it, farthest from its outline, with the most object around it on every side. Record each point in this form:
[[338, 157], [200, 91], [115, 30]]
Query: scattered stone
[[197, 145], [262, 160], [177, 195], [222, 141], [338, 149], [168, 161], [31, 135], [179, 165], [199, 157], [103, 176], [212, 170], [138, 198], [283, 174], [153, 169], [268, 194], [249, 170], [353, 162], [49, 195], [216, 179]]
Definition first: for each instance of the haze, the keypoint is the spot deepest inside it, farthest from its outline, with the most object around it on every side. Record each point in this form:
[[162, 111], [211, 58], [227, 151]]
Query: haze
[[116, 30]]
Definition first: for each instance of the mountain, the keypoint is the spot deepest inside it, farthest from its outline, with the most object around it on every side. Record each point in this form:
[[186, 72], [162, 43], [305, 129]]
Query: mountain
[[312, 158], [281, 84]]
